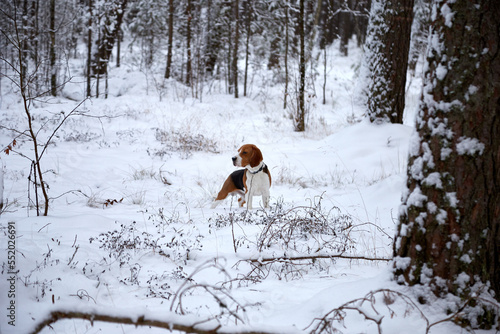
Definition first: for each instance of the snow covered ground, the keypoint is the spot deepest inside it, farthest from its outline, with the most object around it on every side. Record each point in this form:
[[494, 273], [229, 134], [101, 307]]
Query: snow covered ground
[[130, 231]]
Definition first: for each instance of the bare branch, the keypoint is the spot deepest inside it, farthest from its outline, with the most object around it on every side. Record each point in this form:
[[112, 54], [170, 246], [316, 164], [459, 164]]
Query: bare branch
[[140, 321], [316, 257]]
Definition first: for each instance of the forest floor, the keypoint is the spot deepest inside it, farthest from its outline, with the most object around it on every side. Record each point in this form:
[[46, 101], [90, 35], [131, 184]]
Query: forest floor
[[130, 232]]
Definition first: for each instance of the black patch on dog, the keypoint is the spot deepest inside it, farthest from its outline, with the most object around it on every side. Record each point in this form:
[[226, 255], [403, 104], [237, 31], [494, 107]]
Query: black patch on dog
[[266, 170], [237, 177]]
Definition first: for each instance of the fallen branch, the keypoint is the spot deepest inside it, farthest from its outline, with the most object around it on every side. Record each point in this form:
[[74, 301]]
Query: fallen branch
[[141, 321], [316, 257]]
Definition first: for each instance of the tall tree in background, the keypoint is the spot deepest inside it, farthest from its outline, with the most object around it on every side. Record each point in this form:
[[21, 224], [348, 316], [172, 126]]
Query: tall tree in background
[[419, 33], [300, 114], [448, 237], [214, 34], [287, 37], [247, 18], [236, 23], [109, 19], [189, 61], [89, 49], [52, 33], [170, 37], [387, 47]]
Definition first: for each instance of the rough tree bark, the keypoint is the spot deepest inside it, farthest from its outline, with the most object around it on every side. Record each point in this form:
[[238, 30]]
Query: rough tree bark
[[388, 46], [448, 236]]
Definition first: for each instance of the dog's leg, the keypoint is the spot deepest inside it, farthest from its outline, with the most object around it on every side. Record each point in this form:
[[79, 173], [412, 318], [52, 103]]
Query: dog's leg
[[265, 200], [249, 199], [215, 203]]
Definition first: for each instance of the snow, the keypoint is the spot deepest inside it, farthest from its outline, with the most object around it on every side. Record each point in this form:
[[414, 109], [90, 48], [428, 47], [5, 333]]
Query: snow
[[130, 224], [469, 146], [434, 179], [448, 15], [416, 198]]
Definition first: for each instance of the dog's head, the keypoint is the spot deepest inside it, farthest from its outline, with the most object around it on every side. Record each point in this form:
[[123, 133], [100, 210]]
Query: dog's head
[[248, 154]]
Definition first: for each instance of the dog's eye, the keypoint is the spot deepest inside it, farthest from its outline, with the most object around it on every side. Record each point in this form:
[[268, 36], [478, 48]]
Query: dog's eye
[[243, 153]]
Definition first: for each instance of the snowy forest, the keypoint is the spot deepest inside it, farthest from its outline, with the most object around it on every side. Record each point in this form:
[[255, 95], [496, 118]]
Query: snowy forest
[[378, 121]]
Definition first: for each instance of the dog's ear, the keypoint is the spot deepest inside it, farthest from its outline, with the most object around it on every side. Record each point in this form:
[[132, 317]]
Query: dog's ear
[[256, 156]]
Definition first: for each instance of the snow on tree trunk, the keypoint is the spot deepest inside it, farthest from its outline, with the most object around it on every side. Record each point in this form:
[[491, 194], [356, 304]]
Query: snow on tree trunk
[[387, 48], [448, 237]]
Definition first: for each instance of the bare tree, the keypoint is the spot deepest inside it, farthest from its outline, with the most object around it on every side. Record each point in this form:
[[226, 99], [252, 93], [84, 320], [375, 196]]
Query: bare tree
[[448, 237], [24, 81]]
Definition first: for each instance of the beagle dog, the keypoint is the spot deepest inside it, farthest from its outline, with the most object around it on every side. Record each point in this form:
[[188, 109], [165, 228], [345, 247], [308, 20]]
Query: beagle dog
[[253, 180]]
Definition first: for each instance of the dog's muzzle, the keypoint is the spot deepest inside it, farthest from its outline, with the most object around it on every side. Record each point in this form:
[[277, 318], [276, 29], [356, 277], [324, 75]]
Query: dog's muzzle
[[234, 161]]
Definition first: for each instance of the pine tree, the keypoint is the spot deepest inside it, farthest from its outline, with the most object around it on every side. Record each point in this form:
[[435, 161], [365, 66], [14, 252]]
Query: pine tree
[[448, 237], [387, 58]]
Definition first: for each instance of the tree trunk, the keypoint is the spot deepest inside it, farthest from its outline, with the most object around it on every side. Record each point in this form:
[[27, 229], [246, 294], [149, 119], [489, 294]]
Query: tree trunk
[[345, 28], [213, 37], [274, 54], [170, 37], [189, 71], [108, 32], [236, 44], [448, 236], [285, 95], [248, 19], [420, 29], [300, 116], [52, 33], [118, 47], [389, 43], [229, 63], [89, 51], [361, 21], [35, 41]]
